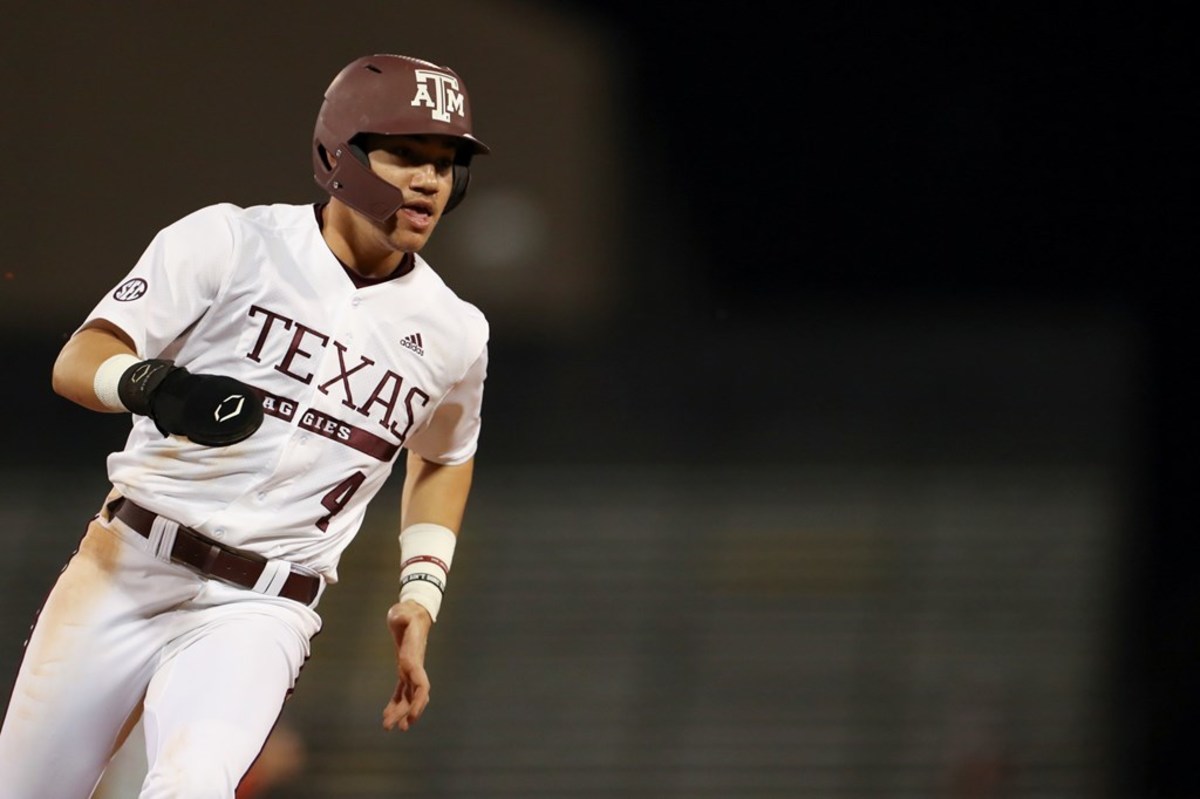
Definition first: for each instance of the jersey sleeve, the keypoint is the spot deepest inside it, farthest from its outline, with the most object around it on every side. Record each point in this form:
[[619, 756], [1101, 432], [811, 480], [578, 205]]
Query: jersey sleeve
[[452, 434], [174, 281]]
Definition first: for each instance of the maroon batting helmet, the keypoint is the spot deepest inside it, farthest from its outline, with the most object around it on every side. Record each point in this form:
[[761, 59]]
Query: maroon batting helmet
[[389, 95]]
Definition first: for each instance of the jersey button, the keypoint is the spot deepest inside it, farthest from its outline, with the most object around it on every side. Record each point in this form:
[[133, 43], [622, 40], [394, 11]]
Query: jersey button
[[219, 532], [356, 301]]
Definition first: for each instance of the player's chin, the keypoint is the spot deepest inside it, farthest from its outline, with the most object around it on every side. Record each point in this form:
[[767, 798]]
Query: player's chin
[[407, 241], [409, 236]]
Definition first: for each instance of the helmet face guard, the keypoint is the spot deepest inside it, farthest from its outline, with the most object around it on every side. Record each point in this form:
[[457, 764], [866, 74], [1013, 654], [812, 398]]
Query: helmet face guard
[[388, 95]]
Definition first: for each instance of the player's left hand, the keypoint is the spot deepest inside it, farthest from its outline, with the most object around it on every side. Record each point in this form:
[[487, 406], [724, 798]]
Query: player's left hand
[[409, 623]]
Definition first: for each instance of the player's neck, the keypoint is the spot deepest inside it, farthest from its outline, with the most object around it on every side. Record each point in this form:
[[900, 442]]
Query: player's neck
[[356, 244]]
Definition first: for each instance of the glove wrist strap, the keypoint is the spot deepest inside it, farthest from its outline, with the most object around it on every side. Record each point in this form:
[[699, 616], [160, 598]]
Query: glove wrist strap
[[140, 381]]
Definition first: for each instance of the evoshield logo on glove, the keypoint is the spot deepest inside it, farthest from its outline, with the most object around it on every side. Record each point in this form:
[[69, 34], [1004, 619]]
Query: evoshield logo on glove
[[237, 408], [446, 97]]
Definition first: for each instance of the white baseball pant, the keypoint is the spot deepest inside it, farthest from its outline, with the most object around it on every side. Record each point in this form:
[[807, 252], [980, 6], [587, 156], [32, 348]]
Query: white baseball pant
[[211, 663]]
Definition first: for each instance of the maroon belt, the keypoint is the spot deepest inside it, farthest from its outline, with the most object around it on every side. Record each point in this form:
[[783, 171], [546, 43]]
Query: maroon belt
[[235, 566]]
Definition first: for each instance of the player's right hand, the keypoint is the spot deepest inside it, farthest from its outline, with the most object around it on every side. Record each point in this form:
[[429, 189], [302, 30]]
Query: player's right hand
[[213, 410]]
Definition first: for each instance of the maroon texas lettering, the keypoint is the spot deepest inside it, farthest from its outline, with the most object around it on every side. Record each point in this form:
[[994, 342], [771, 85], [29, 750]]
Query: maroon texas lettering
[[413, 392], [386, 392], [256, 353], [344, 375], [285, 365]]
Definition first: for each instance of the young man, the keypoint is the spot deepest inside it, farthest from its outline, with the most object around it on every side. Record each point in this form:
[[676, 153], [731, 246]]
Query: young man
[[276, 359]]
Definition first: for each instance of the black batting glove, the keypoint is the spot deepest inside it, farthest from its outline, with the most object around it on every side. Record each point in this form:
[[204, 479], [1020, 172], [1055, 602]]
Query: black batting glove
[[213, 410]]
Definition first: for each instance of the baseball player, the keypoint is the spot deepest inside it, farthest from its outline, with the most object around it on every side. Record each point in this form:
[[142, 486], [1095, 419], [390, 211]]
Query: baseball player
[[276, 360]]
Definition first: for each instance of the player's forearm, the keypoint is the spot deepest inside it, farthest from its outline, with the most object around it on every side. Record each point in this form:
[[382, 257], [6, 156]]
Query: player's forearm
[[74, 371], [435, 493], [434, 500]]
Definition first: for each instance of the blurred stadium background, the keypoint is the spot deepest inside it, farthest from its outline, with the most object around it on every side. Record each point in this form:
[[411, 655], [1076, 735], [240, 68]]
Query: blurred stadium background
[[839, 435]]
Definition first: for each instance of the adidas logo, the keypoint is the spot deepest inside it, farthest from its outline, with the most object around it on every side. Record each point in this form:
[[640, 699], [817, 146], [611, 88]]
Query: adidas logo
[[413, 342]]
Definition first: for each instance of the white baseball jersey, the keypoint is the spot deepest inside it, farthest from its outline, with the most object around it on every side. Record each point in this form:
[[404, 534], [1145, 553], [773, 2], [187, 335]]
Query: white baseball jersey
[[350, 375]]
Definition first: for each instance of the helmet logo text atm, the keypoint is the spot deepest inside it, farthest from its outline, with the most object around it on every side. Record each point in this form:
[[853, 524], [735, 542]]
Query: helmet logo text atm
[[446, 97]]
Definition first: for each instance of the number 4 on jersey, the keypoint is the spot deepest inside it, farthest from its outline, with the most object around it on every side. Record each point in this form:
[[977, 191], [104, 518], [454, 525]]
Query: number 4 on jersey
[[337, 498]]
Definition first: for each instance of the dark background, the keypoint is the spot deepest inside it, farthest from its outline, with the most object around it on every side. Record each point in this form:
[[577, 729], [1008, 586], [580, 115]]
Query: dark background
[[974, 154], [841, 236]]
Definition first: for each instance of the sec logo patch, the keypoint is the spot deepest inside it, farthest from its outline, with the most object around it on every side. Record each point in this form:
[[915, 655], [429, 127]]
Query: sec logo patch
[[130, 290]]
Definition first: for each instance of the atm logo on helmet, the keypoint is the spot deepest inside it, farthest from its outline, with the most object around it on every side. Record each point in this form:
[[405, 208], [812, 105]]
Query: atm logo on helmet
[[439, 92]]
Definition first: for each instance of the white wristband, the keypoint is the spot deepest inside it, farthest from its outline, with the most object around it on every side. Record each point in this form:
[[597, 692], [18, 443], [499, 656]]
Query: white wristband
[[426, 550], [108, 377]]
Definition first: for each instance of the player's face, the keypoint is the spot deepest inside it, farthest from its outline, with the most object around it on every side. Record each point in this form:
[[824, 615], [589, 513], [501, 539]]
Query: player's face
[[422, 167]]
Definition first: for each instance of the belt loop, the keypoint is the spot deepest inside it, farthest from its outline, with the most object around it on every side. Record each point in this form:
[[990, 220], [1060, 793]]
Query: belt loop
[[274, 574], [162, 537]]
